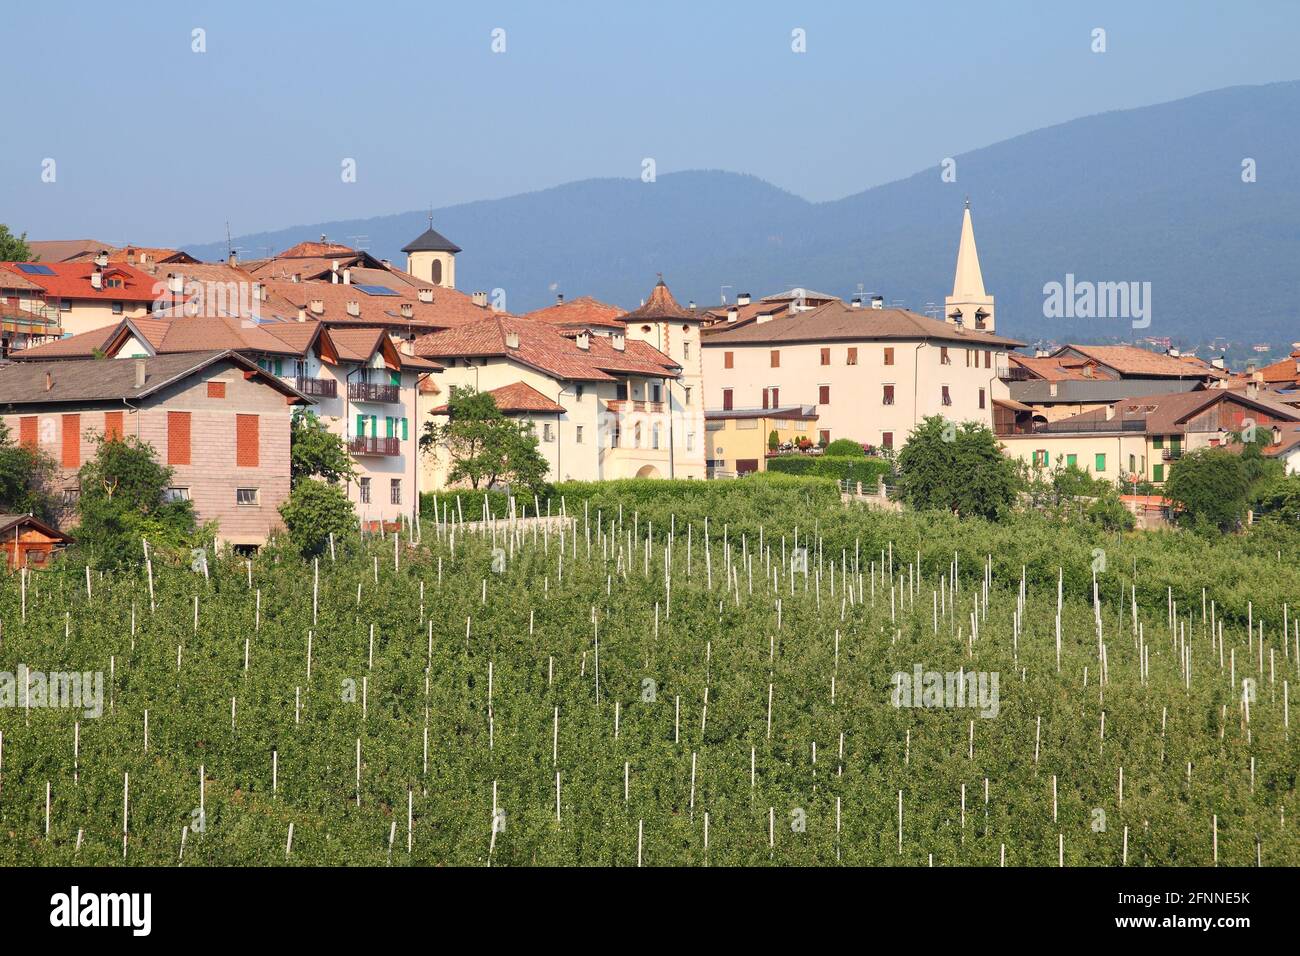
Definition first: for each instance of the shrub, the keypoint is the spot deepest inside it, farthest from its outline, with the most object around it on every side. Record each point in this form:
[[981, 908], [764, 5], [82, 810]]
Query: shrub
[[314, 510], [839, 467], [846, 447]]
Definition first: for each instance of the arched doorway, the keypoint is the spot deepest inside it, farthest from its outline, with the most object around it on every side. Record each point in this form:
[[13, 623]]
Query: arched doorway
[[648, 471]]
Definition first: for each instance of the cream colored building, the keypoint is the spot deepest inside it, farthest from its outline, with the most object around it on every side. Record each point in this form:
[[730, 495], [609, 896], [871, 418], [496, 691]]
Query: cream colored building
[[871, 373], [614, 420], [738, 441]]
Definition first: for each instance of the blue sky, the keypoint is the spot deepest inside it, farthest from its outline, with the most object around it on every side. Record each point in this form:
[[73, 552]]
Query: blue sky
[[155, 143]]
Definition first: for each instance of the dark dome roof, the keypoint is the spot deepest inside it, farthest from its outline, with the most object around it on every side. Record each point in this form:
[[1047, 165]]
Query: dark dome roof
[[431, 241]]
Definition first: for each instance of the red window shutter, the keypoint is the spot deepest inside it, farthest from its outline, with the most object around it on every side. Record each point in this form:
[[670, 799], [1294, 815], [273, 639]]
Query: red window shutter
[[887, 439], [826, 356], [726, 399], [178, 438], [112, 425], [246, 441], [71, 441], [776, 358], [823, 394], [728, 359], [216, 389], [27, 431], [776, 398]]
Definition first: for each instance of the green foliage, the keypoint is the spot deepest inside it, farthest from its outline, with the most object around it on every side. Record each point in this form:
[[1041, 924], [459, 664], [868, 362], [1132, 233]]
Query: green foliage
[[840, 467], [26, 477], [773, 440], [1279, 499], [957, 468], [14, 248], [123, 499], [313, 511], [315, 451], [484, 446], [1109, 513], [662, 651], [846, 447], [1212, 486]]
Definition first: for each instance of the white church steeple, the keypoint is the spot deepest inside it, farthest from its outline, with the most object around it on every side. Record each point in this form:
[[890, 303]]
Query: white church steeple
[[969, 305]]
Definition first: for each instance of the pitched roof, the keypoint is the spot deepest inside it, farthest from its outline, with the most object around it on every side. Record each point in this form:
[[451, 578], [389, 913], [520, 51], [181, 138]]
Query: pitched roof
[[431, 241], [71, 280], [1165, 413], [169, 335], [516, 397], [98, 380], [449, 307], [660, 307], [583, 312], [1283, 371], [798, 292], [322, 249], [1132, 360], [836, 321], [8, 522], [540, 346], [64, 250], [1062, 369], [136, 255]]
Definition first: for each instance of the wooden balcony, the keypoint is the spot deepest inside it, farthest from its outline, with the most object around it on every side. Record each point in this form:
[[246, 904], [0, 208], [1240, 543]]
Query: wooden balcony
[[370, 447], [373, 392], [317, 387]]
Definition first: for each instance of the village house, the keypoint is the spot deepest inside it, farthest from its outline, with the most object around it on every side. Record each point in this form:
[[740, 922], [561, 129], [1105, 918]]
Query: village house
[[217, 420], [1142, 438], [612, 390], [737, 441], [70, 297], [872, 373], [28, 542]]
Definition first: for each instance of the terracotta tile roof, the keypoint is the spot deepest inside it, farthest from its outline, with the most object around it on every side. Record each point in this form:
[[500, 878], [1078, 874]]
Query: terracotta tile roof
[[1285, 371], [135, 255], [542, 347], [1130, 360], [96, 380], [74, 346], [582, 312], [17, 281], [305, 250], [717, 321], [49, 251], [1062, 369], [516, 397], [71, 280], [448, 309], [661, 306], [174, 335], [356, 345], [836, 321], [1167, 412]]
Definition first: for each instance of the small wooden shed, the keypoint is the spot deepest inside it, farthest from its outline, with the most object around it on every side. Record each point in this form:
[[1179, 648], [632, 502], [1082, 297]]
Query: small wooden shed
[[29, 542]]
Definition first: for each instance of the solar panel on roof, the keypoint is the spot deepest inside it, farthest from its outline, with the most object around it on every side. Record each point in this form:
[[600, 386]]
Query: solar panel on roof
[[32, 269], [376, 290]]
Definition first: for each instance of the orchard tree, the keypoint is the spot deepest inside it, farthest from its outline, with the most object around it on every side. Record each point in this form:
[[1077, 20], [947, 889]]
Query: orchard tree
[[313, 511], [957, 468], [1212, 487], [483, 445]]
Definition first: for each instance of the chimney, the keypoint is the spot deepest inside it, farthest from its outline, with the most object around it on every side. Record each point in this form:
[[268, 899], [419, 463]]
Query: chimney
[[857, 302], [386, 263], [97, 280], [101, 259], [1218, 363], [733, 314], [175, 282], [691, 305], [407, 310], [877, 301], [1252, 389], [354, 308], [480, 299], [559, 298], [317, 306], [512, 340], [743, 299], [130, 257], [1173, 352], [49, 381], [232, 259], [302, 315], [583, 340], [139, 373], [425, 295], [347, 276], [619, 341]]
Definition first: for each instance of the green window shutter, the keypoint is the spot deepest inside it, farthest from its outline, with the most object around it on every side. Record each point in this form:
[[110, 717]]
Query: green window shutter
[[395, 378], [1176, 443], [1158, 441], [361, 426], [388, 426], [1101, 462], [374, 426], [279, 367], [404, 429], [1157, 472], [1071, 460]]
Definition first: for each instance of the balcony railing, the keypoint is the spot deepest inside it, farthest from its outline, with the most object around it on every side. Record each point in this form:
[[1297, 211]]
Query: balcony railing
[[1171, 454], [1092, 425], [375, 446], [372, 392], [317, 387]]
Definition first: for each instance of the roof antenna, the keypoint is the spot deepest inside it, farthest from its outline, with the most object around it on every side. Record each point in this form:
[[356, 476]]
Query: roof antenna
[[229, 249]]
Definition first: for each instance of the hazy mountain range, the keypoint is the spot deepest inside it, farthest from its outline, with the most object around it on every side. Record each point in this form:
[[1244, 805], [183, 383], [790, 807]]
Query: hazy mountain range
[[1145, 195]]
